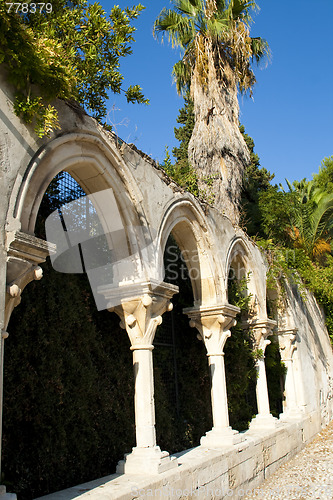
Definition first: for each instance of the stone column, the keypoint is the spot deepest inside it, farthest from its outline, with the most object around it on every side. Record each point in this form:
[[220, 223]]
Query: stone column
[[214, 325], [140, 309], [287, 345], [261, 330]]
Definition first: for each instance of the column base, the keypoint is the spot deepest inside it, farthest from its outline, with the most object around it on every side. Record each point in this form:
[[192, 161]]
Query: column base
[[146, 461], [6, 496], [218, 438], [263, 422], [293, 414]]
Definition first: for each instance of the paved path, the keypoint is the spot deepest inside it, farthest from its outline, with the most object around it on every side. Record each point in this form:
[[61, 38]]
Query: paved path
[[308, 475]]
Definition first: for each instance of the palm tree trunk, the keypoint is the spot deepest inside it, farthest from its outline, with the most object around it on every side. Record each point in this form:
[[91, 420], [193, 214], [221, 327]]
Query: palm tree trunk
[[217, 149]]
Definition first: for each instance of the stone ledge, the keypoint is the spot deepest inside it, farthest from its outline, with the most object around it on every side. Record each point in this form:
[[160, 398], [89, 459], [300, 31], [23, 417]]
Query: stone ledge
[[202, 471]]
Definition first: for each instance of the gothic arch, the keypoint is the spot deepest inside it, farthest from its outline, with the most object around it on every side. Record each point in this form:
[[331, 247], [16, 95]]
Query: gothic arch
[[240, 257], [91, 161], [186, 222], [97, 166]]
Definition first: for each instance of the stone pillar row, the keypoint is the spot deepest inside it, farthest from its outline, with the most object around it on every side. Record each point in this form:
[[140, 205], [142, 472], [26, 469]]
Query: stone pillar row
[[140, 307]]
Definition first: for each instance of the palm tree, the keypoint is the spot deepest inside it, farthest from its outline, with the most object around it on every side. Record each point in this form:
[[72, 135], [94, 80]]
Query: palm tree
[[312, 221], [217, 52]]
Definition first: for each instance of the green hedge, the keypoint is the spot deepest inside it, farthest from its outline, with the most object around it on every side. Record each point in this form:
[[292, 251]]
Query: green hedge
[[68, 391]]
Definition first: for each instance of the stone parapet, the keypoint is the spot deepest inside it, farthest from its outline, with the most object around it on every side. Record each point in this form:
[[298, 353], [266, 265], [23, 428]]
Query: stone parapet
[[207, 474]]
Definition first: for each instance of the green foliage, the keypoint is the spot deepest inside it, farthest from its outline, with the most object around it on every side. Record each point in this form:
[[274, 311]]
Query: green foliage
[[240, 362], [324, 179], [256, 181], [319, 280], [276, 209], [72, 53], [281, 264], [312, 220], [68, 396], [184, 132], [275, 373], [181, 171], [300, 218]]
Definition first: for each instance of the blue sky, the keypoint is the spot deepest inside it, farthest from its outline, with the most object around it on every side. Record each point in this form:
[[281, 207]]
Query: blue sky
[[290, 114]]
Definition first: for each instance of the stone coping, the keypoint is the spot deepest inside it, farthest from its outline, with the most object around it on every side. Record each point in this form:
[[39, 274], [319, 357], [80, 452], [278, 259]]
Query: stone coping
[[203, 473]]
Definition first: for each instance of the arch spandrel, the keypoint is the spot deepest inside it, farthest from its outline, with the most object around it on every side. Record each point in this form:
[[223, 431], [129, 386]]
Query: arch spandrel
[[186, 222]]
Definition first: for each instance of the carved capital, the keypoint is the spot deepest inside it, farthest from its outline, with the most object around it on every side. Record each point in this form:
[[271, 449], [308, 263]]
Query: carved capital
[[287, 339], [24, 254], [213, 324], [261, 329], [140, 308]]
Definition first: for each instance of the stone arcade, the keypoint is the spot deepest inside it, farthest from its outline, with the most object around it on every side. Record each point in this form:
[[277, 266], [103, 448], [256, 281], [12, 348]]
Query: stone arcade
[[149, 202]]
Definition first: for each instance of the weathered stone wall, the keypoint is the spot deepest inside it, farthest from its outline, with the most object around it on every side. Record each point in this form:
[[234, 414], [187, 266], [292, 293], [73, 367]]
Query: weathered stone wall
[[313, 356]]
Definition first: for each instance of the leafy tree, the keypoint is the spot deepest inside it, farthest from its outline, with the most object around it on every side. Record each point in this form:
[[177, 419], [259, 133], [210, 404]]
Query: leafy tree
[[217, 52], [72, 53], [324, 179], [184, 132], [256, 180], [182, 172], [276, 211]]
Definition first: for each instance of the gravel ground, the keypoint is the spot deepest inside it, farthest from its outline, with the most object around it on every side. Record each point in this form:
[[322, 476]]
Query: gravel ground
[[308, 475]]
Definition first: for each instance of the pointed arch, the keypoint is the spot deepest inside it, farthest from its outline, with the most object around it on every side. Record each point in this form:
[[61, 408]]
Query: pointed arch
[[188, 225], [246, 261]]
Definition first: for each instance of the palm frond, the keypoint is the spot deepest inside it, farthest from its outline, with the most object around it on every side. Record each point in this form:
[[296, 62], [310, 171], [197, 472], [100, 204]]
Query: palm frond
[[221, 25], [182, 76], [175, 26], [188, 7], [221, 5], [260, 49], [240, 10], [217, 26]]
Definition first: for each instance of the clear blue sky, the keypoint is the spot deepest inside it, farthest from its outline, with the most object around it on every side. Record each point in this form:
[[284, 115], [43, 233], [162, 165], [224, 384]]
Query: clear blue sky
[[290, 115]]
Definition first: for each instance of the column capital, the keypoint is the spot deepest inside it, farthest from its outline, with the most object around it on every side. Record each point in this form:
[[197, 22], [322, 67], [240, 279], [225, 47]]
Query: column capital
[[213, 324], [261, 329], [287, 344], [140, 307]]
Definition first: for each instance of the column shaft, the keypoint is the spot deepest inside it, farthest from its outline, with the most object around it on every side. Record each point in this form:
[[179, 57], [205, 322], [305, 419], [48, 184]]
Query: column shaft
[[261, 389], [144, 398], [218, 391], [290, 386]]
